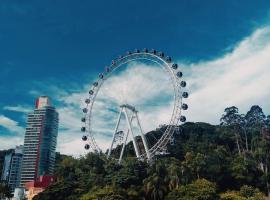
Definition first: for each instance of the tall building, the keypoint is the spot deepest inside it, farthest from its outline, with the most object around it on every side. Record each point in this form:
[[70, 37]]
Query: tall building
[[40, 141], [12, 168], [15, 168], [6, 166]]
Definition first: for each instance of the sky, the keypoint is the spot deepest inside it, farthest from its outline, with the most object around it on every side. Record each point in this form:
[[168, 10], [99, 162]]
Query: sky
[[58, 48]]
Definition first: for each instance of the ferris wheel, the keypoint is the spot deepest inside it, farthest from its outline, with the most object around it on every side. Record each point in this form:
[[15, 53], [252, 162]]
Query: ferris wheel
[[142, 148]]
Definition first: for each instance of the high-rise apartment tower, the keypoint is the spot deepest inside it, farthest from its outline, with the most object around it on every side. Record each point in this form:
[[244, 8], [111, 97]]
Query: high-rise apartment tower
[[40, 141]]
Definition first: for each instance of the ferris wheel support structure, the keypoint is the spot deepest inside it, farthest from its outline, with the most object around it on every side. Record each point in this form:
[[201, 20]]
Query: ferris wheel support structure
[[129, 119]]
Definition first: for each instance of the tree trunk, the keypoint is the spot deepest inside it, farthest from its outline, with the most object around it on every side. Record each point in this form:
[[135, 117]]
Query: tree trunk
[[246, 139], [237, 140], [268, 189], [267, 181], [237, 143]]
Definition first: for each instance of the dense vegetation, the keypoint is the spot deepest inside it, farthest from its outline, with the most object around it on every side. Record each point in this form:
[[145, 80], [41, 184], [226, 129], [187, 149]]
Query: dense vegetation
[[230, 161]]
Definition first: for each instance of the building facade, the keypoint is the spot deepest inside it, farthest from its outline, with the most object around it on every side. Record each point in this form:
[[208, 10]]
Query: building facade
[[40, 141], [6, 166], [12, 168], [15, 168]]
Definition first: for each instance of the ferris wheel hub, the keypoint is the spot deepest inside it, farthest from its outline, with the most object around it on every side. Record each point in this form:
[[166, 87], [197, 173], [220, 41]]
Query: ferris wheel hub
[[132, 108]]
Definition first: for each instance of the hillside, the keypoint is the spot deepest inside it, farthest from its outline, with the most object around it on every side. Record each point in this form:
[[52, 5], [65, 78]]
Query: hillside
[[227, 162]]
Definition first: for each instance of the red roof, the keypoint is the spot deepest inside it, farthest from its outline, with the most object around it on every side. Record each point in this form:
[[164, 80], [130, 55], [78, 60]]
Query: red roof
[[42, 182]]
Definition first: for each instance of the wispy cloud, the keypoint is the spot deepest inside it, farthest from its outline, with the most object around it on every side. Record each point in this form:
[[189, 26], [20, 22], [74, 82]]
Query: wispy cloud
[[11, 125], [8, 141], [18, 108]]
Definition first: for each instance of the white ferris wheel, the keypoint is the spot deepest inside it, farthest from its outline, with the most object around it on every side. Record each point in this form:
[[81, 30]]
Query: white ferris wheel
[[129, 115]]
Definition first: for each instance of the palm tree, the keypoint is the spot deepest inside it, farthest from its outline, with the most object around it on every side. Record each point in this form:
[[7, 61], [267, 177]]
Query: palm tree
[[174, 172], [155, 187]]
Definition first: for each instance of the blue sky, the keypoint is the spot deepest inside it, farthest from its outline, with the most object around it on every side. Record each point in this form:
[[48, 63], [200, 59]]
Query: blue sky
[[56, 48]]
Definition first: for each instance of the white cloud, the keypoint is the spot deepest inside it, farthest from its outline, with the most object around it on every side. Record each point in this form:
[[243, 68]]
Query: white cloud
[[137, 85], [147, 87], [70, 143], [11, 125], [9, 142], [69, 136], [18, 108], [240, 78]]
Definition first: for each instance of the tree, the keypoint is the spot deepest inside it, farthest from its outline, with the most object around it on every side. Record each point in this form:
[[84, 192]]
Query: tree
[[156, 185], [106, 193], [250, 192], [243, 123], [155, 188], [5, 191], [195, 164], [255, 117], [57, 191], [231, 195], [174, 171], [200, 189], [232, 119], [262, 156], [245, 193], [66, 169], [244, 170], [257, 123]]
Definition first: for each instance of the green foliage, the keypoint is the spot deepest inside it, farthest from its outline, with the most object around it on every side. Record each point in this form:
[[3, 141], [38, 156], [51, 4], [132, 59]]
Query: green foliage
[[111, 193], [205, 161], [57, 191], [106, 193], [200, 189], [4, 191], [245, 193], [130, 173], [251, 193], [155, 185], [231, 196]]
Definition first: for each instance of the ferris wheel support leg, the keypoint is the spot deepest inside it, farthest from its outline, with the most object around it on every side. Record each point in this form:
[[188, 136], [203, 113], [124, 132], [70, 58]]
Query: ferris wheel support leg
[[133, 137], [143, 138], [123, 148], [115, 131], [124, 143]]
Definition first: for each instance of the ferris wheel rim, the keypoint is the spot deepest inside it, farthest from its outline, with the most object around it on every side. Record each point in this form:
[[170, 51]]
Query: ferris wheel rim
[[174, 119]]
